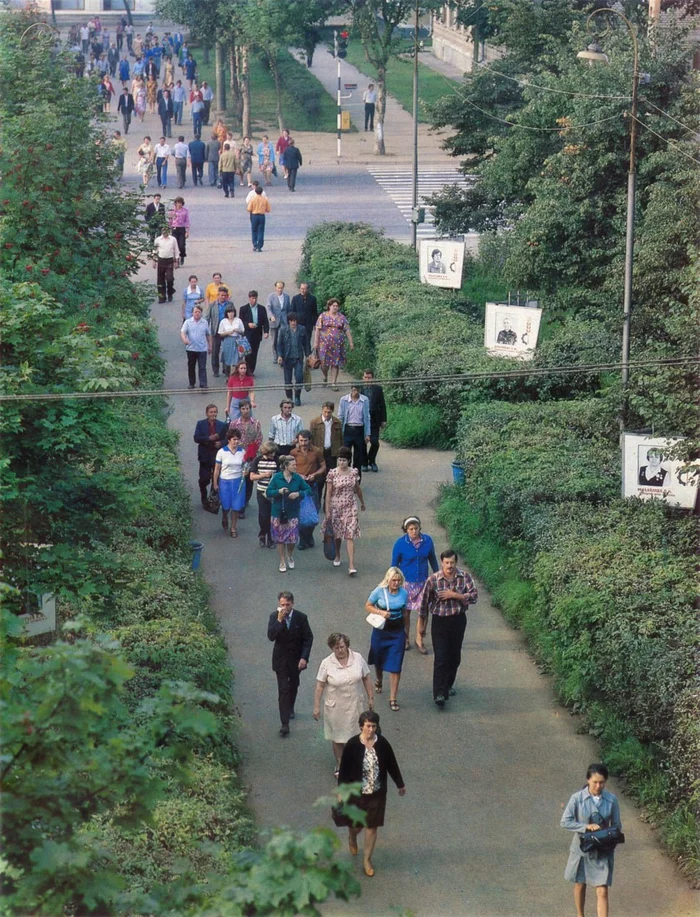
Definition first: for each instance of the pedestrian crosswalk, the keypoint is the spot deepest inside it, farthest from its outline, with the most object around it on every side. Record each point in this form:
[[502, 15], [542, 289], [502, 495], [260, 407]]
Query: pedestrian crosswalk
[[398, 184]]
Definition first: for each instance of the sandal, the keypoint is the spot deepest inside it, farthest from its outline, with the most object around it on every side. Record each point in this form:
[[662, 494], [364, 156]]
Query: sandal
[[378, 685], [394, 705], [408, 644], [233, 533]]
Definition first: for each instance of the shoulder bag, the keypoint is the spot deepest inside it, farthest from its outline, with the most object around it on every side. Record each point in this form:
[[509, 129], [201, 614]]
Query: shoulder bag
[[604, 840], [376, 620]]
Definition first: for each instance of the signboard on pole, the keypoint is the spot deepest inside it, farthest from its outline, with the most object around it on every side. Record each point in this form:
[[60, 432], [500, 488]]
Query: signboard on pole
[[511, 330], [441, 262], [648, 472]]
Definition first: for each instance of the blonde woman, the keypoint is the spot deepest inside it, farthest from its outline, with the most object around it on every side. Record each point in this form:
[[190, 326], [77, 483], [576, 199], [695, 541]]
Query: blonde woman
[[388, 644]]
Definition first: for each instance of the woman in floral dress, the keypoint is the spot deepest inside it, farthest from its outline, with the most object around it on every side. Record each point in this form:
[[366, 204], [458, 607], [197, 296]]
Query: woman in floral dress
[[342, 487], [245, 159], [330, 335], [151, 94], [139, 93]]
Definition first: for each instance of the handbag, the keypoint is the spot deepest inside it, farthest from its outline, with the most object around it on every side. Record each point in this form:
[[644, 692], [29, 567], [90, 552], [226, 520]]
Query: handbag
[[284, 515], [213, 502], [313, 361], [328, 540], [243, 345], [340, 820], [307, 377], [308, 514], [220, 181], [375, 619], [604, 840]]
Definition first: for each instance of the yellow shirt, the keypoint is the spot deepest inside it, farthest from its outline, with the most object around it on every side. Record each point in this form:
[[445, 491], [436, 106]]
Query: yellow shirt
[[259, 204], [212, 291]]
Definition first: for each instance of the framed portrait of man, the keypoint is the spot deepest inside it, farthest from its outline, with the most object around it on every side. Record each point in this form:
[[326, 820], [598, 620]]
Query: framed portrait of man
[[441, 262], [652, 470], [511, 331]]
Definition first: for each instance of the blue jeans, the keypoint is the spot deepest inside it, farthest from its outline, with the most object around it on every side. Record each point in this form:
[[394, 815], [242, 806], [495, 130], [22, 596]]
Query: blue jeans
[[296, 367], [197, 124], [162, 170], [213, 172], [257, 229], [177, 111]]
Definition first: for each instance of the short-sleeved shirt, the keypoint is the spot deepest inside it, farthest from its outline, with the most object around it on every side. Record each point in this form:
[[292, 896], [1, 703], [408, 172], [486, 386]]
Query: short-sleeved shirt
[[307, 462], [231, 463], [240, 388], [397, 601], [266, 465], [197, 333]]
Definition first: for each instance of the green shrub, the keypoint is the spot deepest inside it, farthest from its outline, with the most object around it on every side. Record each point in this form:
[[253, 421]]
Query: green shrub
[[411, 427]]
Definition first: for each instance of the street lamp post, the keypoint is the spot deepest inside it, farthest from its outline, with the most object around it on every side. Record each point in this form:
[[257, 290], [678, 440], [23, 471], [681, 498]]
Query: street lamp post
[[594, 54], [414, 217]]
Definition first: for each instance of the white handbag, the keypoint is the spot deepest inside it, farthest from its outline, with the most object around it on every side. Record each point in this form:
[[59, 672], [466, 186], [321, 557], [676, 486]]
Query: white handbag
[[374, 618]]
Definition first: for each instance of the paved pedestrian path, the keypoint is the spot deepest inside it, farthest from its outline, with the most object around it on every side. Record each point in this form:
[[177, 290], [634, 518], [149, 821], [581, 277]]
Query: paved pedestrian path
[[477, 833]]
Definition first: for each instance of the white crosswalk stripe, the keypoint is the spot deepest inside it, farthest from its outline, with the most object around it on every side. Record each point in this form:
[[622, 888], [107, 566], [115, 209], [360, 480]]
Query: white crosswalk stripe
[[398, 184]]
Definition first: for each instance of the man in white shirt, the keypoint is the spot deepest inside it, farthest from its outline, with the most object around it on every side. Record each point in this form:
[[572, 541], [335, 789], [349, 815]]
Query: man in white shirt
[[207, 98], [181, 151], [178, 96], [162, 152], [369, 97], [251, 194], [166, 258], [84, 38], [196, 337], [353, 412]]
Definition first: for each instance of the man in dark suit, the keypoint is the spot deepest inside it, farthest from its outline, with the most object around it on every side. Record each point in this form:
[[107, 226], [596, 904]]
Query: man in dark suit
[[256, 325], [377, 417], [289, 630], [125, 105], [306, 307], [210, 436], [155, 217], [292, 348], [198, 152]]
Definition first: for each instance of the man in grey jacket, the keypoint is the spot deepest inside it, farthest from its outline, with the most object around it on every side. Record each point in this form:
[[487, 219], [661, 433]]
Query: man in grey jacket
[[278, 304], [212, 157]]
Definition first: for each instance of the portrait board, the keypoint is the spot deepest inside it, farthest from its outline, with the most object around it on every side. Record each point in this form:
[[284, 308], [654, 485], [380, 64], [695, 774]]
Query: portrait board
[[511, 331], [441, 262], [648, 472]]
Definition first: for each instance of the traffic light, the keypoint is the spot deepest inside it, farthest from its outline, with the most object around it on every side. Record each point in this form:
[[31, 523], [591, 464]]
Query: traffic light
[[341, 44]]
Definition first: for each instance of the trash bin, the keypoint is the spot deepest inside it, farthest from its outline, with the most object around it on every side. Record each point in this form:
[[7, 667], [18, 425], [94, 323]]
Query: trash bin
[[196, 553], [457, 473]]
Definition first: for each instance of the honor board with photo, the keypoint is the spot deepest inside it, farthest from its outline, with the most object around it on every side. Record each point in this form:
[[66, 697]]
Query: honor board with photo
[[511, 331], [649, 473], [441, 262]]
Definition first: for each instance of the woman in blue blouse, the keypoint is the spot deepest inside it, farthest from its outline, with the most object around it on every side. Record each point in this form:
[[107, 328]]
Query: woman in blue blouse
[[388, 644], [591, 808], [412, 553]]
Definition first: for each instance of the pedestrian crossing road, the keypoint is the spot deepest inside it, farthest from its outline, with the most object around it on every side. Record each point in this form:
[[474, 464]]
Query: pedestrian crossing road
[[398, 184]]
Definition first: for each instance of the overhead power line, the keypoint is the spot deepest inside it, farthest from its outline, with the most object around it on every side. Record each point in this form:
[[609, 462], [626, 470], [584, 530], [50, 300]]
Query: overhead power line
[[412, 381]]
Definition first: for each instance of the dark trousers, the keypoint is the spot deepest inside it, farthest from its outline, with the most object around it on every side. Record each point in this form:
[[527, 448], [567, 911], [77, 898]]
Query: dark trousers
[[257, 229], [228, 183], [287, 688], [354, 438], [373, 443], [254, 339], [306, 532], [369, 116], [180, 234], [206, 114], [197, 124], [198, 360], [126, 120], [292, 179], [165, 280], [213, 173], [296, 367], [120, 41], [206, 472], [166, 123], [181, 169], [197, 173], [447, 634], [264, 512], [215, 352]]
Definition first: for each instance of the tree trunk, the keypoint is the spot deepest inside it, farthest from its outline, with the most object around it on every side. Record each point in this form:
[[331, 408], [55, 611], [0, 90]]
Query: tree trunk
[[232, 80], [245, 93], [205, 53], [379, 112], [220, 79], [272, 58], [129, 20], [236, 67]]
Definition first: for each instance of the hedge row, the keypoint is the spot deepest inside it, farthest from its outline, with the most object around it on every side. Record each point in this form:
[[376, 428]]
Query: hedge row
[[301, 85], [402, 328], [603, 588]]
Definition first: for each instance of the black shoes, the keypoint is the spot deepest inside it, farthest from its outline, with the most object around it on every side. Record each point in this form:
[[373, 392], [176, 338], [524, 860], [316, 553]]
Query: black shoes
[[284, 731], [365, 467], [453, 691], [374, 467], [440, 700]]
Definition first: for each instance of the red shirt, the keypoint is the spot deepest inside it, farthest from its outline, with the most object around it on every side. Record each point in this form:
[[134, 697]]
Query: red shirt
[[240, 387]]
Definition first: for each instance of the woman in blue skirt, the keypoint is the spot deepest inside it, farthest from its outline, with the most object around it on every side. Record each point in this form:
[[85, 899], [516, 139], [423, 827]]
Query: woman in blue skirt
[[388, 644], [228, 480]]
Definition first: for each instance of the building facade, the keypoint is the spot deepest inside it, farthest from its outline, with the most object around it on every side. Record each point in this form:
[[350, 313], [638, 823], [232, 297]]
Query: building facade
[[454, 43]]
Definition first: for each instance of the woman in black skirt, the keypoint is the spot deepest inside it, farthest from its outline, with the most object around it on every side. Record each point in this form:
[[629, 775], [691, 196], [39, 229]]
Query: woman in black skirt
[[367, 759]]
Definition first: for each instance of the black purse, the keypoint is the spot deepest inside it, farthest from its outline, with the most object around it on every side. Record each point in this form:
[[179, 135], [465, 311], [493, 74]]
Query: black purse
[[604, 839], [284, 515], [213, 502]]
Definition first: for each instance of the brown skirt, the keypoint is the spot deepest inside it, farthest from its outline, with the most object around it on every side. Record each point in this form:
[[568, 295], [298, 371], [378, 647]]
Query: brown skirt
[[374, 805]]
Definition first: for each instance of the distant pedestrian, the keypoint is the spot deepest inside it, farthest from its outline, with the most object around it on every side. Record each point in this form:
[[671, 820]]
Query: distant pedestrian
[[191, 71], [155, 217], [254, 318], [229, 480], [232, 336], [281, 148], [266, 159], [195, 335], [217, 313], [191, 297], [124, 72], [293, 347], [209, 434], [377, 416], [245, 161], [369, 97], [257, 209], [212, 291], [198, 152], [166, 112], [341, 677], [412, 554], [446, 596], [293, 161], [306, 307], [178, 102], [251, 439], [278, 304], [180, 223], [286, 490], [353, 411], [289, 630], [342, 518], [125, 107], [262, 468], [589, 809], [165, 260], [331, 335], [162, 154], [227, 165], [181, 151], [212, 158], [207, 99], [197, 112], [285, 427], [388, 645]]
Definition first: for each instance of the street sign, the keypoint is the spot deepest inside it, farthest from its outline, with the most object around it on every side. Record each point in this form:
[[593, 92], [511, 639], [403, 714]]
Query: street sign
[[350, 86]]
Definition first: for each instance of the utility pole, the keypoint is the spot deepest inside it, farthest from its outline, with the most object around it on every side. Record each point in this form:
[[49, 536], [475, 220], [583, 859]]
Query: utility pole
[[415, 213], [220, 80], [340, 51]]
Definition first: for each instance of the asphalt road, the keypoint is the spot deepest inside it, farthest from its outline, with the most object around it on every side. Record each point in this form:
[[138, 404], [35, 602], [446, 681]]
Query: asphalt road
[[477, 833]]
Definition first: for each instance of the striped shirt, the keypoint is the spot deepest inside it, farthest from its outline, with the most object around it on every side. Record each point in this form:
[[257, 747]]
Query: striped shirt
[[284, 431], [445, 608], [266, 465]]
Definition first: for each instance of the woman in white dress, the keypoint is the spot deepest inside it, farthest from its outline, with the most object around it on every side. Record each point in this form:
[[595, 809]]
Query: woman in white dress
[[342, 675]]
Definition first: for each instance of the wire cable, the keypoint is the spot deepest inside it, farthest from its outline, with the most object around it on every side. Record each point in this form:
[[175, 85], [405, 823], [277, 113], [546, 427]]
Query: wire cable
[[673, 145], [416, 381], [691, 130], [566, 92], [543, 130]]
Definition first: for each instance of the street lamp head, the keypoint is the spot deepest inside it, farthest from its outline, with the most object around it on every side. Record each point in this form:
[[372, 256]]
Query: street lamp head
[[594, 54]]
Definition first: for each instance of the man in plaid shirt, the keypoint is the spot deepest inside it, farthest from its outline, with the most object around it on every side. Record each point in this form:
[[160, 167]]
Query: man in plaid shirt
[[446, 596]]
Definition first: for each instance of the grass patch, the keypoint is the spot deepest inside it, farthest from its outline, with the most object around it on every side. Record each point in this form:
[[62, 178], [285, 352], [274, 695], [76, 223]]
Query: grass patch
[[263, 103], [413, 427], [399, 81]]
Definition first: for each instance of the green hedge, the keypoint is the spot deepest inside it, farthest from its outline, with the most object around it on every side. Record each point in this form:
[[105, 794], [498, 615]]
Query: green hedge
[[402, 327], [603, 588]]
